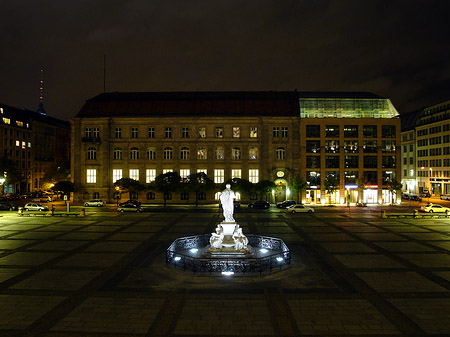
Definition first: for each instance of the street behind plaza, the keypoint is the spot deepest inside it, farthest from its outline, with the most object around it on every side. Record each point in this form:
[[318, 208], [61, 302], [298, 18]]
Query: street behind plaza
[[352, 273]]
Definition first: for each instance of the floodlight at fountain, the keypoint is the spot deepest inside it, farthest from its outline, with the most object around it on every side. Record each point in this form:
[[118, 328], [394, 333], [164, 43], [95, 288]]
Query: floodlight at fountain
[[193, 250], [263, 250]]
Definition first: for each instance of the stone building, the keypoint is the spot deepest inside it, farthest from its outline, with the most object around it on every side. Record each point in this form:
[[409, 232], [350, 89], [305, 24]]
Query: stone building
[[251, 135]]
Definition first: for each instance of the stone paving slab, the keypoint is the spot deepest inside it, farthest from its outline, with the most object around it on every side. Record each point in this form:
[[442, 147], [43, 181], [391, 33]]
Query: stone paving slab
[[368, 261], [7, 273], [428, 261], [403, 246], [13, 244], [27, 258], [93, 259], [58, 245]]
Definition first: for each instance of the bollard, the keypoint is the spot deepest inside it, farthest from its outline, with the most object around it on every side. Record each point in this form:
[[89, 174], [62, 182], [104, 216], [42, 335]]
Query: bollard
[[83, 212], [416, 214], [20, 210], [383, 214], [53, 210]]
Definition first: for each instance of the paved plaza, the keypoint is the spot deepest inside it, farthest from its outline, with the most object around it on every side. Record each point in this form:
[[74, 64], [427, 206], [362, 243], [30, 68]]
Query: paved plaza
[[352, 273]]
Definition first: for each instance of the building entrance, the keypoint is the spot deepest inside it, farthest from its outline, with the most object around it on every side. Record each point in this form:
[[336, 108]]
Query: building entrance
[[280, 190]]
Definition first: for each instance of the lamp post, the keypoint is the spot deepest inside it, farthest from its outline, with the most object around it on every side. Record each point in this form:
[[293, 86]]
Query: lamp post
[[431, 186]]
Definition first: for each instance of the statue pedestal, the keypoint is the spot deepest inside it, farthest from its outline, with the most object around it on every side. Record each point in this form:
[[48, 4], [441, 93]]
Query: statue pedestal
[[229, 253], [228, 230]]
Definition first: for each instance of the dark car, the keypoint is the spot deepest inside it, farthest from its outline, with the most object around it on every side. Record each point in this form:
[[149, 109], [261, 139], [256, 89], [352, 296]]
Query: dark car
[[286, 203], [414, 197], [425, 194], [131, 202], [6, 206], [236, 204], [130, 208], [259, 204]]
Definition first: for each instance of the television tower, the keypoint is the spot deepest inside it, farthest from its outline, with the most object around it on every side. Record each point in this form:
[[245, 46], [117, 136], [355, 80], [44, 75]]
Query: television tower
[[40, 108]]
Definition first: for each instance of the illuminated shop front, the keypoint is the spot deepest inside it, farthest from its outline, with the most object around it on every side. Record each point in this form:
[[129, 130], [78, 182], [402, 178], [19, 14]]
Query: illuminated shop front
[[370, 194], [313, 195]]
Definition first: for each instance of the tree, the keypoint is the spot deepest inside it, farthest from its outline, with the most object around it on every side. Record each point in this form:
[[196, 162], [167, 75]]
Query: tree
[[393, 186], [264, 187], [65, 187], [199, 182], [242, 186], [331, 184], [57, 172], [129, 185], [166, 183], [8, 170], [299, 185]]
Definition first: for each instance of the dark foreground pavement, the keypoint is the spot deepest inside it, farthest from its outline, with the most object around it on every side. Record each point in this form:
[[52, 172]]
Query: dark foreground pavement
[[105, 275]]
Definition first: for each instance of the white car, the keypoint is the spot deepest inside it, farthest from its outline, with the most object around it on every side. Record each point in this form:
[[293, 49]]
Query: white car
[[434, 208], [445, 197], [95, 202], [35, 207], [299, 209]]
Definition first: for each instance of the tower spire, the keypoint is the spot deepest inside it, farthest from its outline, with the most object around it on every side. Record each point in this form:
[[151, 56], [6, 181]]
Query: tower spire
[[40, 108]]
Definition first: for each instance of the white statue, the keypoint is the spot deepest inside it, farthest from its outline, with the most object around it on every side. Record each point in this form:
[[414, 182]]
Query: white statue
[[240, 240], [217, 238], [226, 199]]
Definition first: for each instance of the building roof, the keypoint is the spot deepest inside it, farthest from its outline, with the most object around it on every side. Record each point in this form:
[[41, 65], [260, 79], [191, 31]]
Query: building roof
[[337, 94], [159, 104], [409, 120], [28, 116]]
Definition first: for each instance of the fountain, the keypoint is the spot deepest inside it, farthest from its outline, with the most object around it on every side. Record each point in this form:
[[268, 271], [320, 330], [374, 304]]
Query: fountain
[[228, 251]]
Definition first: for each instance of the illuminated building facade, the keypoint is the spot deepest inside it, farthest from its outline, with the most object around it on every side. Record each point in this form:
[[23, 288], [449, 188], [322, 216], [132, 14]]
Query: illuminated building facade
[[251, 135], [33, 142]]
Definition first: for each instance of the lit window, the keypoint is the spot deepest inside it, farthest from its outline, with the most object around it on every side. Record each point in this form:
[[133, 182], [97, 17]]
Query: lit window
[[205, 171], [29, 144], [167, 171], [220, 153], [253, 132], [150, 175], [19, 123], [185, 173], [202, 132], [17, 143], [253, 176], [219, 176], [24, 145], [134, 153], [92, 153], [235, 174], [151, 153], [253, 153], [134, 174], [117, 154], [236, 153], [219, 132], [91, 175], [236, 132], [217, 195], [117, 174], [184, 153], [201, 153]]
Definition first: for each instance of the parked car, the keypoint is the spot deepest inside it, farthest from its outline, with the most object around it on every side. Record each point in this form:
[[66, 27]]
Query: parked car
[[237, 204], [131, 202], [6, 206], [95, 202], [130, 208], [445, 197], [35, 207], [285, 203], [414, 197], [434, 208], [299, 209], [259, 204], [425, 195]]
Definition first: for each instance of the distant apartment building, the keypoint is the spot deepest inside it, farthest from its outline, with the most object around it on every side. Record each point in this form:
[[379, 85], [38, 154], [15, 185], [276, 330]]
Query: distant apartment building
[[33, 142], [408, 153], [250, 135]]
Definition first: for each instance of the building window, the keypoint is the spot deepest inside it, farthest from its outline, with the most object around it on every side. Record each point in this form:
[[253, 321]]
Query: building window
[[205, 171], [202, 132], [370, 161], [201, 153], [312, 130], [351, 131], [95, 132], [134, 153], [253, 176], [253, 153], [184, 132], [169, 196], [388, 131], [371, 177], [370, 146], [92, 153], [167, 171], [236, 174], [150, 196], [151, 132], [91, 175], [96, 195], [411, 160], [184, 173], [388, 162], [369, 131], [351, 161], [253, 132], [219, 132], [388, 146], [219, 176], [350, 146], [168, 133], [411, 147], [168, 153], [134, 132], [313, 146], [280, 153], [185, 196], [284, 132], [351, 177], [151, 153], [117, 174], [312, 162], [332, 146], [331, 161], [236, 132], [134, 195], [332, 131], [202, 196], [276, 131], [117, 154], [134, 174], [220, 153], [87, 132], [150, 175], [184, 153], [313, 178], [236, 153]]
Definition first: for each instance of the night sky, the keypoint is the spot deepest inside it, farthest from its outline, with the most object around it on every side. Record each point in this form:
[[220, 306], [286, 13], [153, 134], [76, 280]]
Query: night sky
[[397, 49]]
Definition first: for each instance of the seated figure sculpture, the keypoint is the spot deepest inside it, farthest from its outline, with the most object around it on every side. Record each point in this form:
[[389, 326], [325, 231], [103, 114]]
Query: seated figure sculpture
[[217, 238], [240, 240]]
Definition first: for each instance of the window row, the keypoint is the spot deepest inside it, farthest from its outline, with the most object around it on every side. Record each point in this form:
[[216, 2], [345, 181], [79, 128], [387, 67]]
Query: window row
[[370, 178], [350, 146], [351, 131], [313, 162]]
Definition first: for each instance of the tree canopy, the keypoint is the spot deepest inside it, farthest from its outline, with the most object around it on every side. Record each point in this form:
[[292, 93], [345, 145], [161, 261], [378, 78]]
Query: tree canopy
[[199, 182], [299, 185], [166, 183], [129, 185]]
